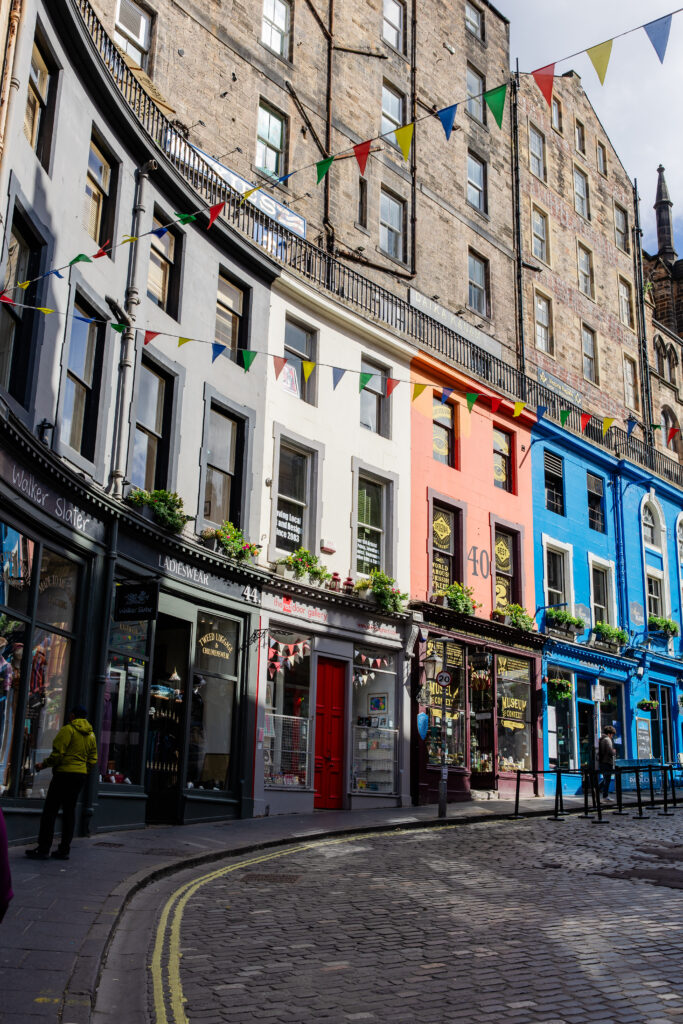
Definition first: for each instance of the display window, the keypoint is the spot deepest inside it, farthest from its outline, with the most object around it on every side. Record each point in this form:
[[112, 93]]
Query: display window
[[212, 702], [451, 657], [481, 715], [611, 713], [514, 713], [122, 731], [561, 719], [287, 752], [374, 736]]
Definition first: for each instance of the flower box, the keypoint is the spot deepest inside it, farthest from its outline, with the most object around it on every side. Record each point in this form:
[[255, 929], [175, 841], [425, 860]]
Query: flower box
[[600, 644], [439, 599], [567, 632], [282, 569]]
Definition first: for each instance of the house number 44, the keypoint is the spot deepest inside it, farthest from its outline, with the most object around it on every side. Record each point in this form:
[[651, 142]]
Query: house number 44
[[251, 594]]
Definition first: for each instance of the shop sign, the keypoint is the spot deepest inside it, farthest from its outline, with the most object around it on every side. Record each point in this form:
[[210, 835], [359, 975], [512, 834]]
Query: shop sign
[[454, 657], [43, 497], [644, 738], [332, 617], [136, 602], [215, 645], [290, 606], [513, 712], [560, 387]]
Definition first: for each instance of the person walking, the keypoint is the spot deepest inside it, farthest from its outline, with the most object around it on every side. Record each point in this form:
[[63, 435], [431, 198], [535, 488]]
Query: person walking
[[607, 757], [74, 754]]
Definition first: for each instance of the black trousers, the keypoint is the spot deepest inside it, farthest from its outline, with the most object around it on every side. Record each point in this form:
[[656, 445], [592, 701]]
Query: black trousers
[[63, 792]]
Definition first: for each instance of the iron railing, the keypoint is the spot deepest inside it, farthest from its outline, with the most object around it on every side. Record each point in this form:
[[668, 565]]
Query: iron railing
[[325, 271]]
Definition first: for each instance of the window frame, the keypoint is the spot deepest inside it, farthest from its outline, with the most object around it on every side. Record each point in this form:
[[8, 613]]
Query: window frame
[[545, 238], [475, 99], [284, 53], [655, 576], [481, 190], [601, 148], [608, 568], [578, 173], [599, 494], [559, 508], [510, 459], [42, 145], [20, 391], [315, 453], [246, 417], [586, 330], [389, 482], [402, 205], [619, 209], [480, 33], [171, 304], [242, 319], [308, 389], [451, 431], [401, 29], [543, 176], [517, 532], [109, 211], [163, 465], [579, 136], [383, 404], [550, 350], [272, 110], [96, 333], [629, 360], [127, 35], [551, 544], [625, 301], [582, 249], [388, 124], [556, 123], [362, 211], [459, 511], [486, 289]]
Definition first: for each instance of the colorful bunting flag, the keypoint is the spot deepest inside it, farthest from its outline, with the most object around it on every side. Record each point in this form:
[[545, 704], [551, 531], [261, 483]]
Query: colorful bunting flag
[[6, 298], [128, 238], [446, 394], [284, 177], [447, 118], [119, 328], [658, 34], [183, 341], [364, 379], [250, 192], [544, 78], [81, 258], [655, 426], [600, 56], [279, 362], [307, 366], [417, 390], [607, 422], [216, 350], [541, 410], [672, 433], [631, 424], [186, 218], [214, 212], [56, 273], [248, 357], [45, 310], [585, 420], [23, 285], [149, 335], [391, 385], [519, 408], [322, 167], [337, 374], [85, 319], [495, 405], [159, 232], [495, 100], [564, 415], [102, 251], [404, 139], [471, 398], [362, 151]]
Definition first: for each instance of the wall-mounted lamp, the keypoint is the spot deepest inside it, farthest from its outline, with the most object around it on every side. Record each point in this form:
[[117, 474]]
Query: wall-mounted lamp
[[432, 666], [640, 671], [44, 427]]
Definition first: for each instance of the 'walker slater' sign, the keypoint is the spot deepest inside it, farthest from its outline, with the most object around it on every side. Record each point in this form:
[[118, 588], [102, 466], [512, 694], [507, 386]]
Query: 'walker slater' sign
[[134, 602], [560, 387]]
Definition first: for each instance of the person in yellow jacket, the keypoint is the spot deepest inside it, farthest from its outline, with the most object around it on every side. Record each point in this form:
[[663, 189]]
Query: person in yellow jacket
[[74, 754]]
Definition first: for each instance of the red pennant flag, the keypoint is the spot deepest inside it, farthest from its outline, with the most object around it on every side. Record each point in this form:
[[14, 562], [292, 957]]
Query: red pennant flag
[[279, 362], [672, 433], [391, 384], [6, 298], [102, 251], [362, 151], [214, 211], [585, 420], [149, 335], [544, 79], [495, 404]]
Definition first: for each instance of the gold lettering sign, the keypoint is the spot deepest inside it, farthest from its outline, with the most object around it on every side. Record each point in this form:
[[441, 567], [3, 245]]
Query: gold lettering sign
[[442, 527], [453, 652], [215, 645], [503, 553]]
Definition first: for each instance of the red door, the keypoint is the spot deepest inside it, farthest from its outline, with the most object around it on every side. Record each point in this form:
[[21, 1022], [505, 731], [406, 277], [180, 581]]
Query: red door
[[329, 734]]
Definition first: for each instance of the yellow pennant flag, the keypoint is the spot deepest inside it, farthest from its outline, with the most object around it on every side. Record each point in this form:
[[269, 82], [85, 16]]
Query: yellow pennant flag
[[404, 138], [23, 285], [183, 341], [600, 56], [308, 367], [45, 310], [128, 238], [606, 424], [250, 192], [417, 390], [519, 407]]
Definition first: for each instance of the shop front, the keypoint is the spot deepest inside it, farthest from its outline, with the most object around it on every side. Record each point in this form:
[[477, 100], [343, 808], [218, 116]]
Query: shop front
[[332, 727]]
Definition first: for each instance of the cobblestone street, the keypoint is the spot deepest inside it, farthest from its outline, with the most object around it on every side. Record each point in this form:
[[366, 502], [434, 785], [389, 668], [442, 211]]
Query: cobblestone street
[[515, 922]]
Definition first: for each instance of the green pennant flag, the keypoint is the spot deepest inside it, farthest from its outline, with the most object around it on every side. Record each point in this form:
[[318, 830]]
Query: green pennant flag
[[655, 426], [564, 415], [118, 327], [495, 99], [81, 258], [186, 218], [364, 380], [322, 167], [471, 397], [248, 357]]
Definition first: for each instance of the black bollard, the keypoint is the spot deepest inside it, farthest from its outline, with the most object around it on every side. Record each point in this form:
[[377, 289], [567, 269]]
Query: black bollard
[[652, 787], [517, 785], [559, 779], [639, 797], [674, 803], [558, 795], [666, 813], [619, 791], [599, 820], [585, 794]]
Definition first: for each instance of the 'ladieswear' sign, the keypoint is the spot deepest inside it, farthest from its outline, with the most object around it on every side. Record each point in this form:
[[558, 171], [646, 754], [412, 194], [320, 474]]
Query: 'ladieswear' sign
[[42, 495]]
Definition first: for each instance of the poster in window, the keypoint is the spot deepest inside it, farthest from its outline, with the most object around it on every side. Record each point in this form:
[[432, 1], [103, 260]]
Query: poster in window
[[441, 573], [368, 548], [290, 380], [289, 528], [644, 738]]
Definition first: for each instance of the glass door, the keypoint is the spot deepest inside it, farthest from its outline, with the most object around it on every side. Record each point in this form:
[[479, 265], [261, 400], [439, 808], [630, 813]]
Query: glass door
[[662, 733], [166, 719], [586, 723]]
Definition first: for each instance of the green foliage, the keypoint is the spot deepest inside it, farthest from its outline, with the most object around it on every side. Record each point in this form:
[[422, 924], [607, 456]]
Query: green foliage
[[460, 598], [560, 689], [167, 507], [648, 705], [304, 563], [561, 617], [387, 595], [519, 617], [232, 541], [610, 634], [662, 625]]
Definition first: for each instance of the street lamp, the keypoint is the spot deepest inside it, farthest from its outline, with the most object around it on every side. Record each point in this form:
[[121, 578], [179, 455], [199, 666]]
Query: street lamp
[[432, 666]]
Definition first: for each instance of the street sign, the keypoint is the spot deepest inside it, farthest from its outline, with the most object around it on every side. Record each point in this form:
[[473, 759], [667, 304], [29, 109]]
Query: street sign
[[444, 679]]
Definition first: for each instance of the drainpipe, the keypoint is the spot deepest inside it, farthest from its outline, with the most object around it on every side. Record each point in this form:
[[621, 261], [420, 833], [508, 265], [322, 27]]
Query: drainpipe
[[124, 393], [622, 579], [329, 229], [517, 210], [413, 148], [8, 79], [645, 386]]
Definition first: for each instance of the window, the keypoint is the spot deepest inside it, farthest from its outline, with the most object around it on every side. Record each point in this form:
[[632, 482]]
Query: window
[[444, 536], [478, 295], [596, 502], [392, 229], [474, 20], [602, 159], [392, 112], [506, 569], [163, 284], [585, 257], [544, 332], [362, 202], [654, 596], [370, 536], [96, 209], [631, 384], [393, 21], [299, 349], [39, 104], [287, 747], [556, 578], [557, 115], [590, 354], [82, 387], [625, 303], [554, 483], [502, 459], [17, 322], [132, 31], [222, 486], [293, 499], [476, 182], [270, 141], [229, 315], [212, 703], [370, 773], [476, 87], [650, 527], [275, 32], [669, 422], [443, 431], [580, 137], [671, 365], [537, 152], [600, 593], [150, 444], [581, 200], [374, 407], [539, 234], [621, 227], [680, 541]]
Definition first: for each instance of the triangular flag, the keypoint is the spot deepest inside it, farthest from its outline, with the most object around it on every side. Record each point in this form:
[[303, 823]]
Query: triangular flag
[[216, 350], [128, 238], [362, 151], [81, 258], [248, 357], [392, 383], [186, 218], [119, 328], [544, 78], [404, 138], [607, 422], [417, 390], [631, 425], [446, 394], [600, 56], [279, 362], [471, 397], [564, 415], [337, 375], [658, 34], [672, 433], [6, 298], [495, 99], [655, 426], [149, 335], [102, 251], [363, 379], [285, 176], [322, 167], [214, 212], [23, 285], [250, 192], [541, 410], [56, 273], [307, 366], [159, 232], [45, 310], [183, 341], [585, 420], [447, 118], [85, 319], [519, 407], [495, 405]]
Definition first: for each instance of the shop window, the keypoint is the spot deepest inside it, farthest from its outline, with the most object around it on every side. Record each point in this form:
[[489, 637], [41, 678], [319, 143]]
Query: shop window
[[100, 194], [293, 499], [212, 703], [17, 322], [393, 104], [163, 280], [374, 733], [392, 226], [446, 531], [502, 459], [393, 22], [580, 137], [371, 526], [133, 30], [596, 502], [40, 101], [585, 262], [271, 141], [478, 297], [120, 742], [450, 655], [661, 727], [556, 578], [475, 87], [149, 468], [621, 227], [82, 385], [474, 20], [506, 564], [602, 159], [537, 152], [561, 724], [556, 115], [443, 431], [230, 324], [625, 303], [476, 183], [544, 327], [513, 677], [554, 483], [631, 398], [655, 604], [222, 487], [275, 27], [589, 349], [374, 405], [581, 196], [300, 354], [287, 734]]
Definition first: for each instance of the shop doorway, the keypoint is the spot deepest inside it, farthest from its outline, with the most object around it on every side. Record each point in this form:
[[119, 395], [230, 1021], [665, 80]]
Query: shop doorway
[[661, 725], [585, 714], [329, 734], [166, 719]]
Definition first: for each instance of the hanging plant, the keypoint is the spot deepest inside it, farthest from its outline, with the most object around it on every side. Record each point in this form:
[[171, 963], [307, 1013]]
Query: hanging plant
[[560, 689], [647, 705]]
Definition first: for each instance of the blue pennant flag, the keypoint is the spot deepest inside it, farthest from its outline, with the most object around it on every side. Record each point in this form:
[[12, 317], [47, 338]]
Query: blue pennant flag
[[56, 273], [216, 350], [541, 410], [85, 319], [337, 375], [630, 426], [285, 176], [446, 394], [159, 232], [447, 118], [658, 34]]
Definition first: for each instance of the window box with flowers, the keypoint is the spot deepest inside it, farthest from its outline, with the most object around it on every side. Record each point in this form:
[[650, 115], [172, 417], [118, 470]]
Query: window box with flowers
[[303, 563], [516, 616], [665, 627], [228, 540], [382, 589], [562, 623], [607, 638], [457, 597], [165, 508]]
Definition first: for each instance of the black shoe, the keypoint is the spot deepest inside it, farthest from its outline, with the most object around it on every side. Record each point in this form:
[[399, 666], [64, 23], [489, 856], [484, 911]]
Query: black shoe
[[37, 854], [58, 855]]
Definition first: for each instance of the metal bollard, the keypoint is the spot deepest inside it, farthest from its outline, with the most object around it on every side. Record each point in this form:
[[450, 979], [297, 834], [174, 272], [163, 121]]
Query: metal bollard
[[639, 797], [674, 802], [599, 820], [666, 813], [652, 787], [517, 785], [619, 791], [586, 785], [558, 795]]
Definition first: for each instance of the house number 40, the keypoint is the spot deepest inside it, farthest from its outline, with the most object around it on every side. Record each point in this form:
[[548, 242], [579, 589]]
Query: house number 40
[[480, 561]]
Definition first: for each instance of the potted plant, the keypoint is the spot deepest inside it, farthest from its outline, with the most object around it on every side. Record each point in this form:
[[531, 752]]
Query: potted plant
[[317, 573], [229, 540], [608, 637], [516, 616], [558, 620], [383, 590], [363, 588], [296, 564], [658, 624], [166, 507], [459, 598], [560, 689], [647, 705]]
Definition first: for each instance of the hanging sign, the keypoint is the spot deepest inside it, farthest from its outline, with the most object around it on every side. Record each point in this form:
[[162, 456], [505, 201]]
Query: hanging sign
[[135, 602]]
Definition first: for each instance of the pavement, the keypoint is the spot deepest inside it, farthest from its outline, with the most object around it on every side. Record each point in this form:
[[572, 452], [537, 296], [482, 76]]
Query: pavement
[[56, 935]]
